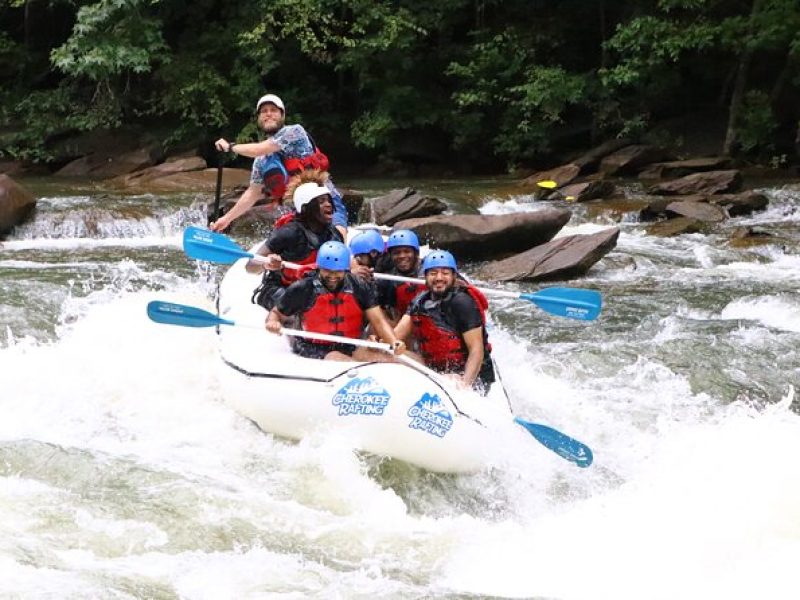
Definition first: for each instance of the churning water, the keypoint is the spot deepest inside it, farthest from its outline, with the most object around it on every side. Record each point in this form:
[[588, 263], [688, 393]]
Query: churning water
[[124, 475]]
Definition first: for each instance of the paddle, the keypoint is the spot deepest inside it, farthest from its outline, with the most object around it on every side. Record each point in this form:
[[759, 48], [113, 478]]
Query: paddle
[[573, 303], [218, 193], [552, 439], [169, 313]]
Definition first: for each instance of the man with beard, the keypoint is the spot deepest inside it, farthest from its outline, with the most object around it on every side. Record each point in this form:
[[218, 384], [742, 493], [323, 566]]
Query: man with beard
[[449, 325], [297, 237], [403, 251], [333, 302], [288, 151]]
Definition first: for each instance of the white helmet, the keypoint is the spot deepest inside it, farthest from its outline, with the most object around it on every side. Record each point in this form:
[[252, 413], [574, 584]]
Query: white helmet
[[306, 192], [273, 99]]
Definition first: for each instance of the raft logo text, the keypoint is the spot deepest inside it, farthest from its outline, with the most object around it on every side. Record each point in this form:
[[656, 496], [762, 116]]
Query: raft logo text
[[361, 397], [429, 415]]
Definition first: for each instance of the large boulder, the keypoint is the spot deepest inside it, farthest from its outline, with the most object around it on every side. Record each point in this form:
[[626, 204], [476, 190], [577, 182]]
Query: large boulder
[[588, 190], [485, 236], [16, 203], [561, 175], [590, 160], [681, 168], [402, 204], [699, 211], [710, 182], [677, 226], [737, 205], [103, 165], [562, 258], [631, 159], [196, 181], [177, 164]]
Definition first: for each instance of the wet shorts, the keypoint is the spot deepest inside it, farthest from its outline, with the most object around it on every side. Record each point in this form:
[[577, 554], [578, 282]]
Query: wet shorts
[[311, 350]]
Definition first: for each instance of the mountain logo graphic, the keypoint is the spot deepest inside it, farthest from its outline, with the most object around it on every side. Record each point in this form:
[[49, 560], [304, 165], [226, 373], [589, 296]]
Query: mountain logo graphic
[[361, 396], [429, 415]]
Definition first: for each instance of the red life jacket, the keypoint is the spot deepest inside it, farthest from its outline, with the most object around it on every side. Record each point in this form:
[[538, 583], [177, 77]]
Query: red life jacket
[[404, 294], [315, 160], [289, 276], [334, 313], [440, 345]]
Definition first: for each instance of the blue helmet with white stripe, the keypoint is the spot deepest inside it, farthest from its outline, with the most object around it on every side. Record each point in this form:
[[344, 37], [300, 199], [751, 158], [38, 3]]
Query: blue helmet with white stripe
[[333, 256]]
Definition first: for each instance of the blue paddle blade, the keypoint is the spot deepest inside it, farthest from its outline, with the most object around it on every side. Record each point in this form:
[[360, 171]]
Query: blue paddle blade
[[573, 303], [185, 316], [203, 244], [563, 445]]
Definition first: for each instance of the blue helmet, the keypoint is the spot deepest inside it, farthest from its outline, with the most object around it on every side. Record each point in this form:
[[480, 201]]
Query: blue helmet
[[403, 237], [333, 256], [366, 242], [439, 258]]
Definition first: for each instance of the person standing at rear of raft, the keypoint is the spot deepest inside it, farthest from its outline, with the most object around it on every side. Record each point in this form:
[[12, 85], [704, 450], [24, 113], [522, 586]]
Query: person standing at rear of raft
[[288, 151]]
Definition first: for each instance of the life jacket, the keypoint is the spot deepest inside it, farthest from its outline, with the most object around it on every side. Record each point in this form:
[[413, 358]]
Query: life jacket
[[309, 263], [275, 178], [316, 160], [405, 292], [334, 313], [440, 345]]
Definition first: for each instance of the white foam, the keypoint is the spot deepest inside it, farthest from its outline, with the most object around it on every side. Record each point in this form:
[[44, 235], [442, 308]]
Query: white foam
[[778, 312]]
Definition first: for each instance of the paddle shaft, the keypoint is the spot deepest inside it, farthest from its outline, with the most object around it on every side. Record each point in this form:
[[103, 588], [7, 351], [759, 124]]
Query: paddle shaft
[[417, 280], [218, 193]]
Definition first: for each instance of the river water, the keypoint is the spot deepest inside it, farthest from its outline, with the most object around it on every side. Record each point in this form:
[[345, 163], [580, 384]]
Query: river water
[[124, 475]]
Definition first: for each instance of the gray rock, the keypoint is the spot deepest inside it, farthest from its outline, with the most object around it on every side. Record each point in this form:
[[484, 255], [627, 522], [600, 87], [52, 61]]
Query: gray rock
[[486, 236], [402, 204], [562, 258], [740, 204], [710, 182], [16, 203], [699, 211], [676, 226], [589, 190], [631, 159]]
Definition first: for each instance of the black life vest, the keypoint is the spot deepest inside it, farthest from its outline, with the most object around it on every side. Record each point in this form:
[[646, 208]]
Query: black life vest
[[303, 256], [334, 313], [441, 346]]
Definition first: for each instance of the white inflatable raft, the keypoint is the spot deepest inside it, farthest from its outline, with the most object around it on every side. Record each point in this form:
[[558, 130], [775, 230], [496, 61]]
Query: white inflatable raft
[[386, 409]]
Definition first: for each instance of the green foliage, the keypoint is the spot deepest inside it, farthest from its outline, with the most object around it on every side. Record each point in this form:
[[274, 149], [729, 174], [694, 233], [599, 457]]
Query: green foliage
[[110, 38], [491, 79], [504, 93], [49, 113], [756, 124]]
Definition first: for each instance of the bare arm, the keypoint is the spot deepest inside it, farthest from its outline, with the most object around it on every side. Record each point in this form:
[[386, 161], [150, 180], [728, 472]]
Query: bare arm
[[381, 326], [256, 264], [250, 150], [275, 320], [403, 328], [474, 341], [245, 202]]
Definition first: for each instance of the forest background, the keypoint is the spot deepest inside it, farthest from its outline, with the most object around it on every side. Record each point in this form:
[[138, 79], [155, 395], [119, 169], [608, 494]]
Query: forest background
[[477, 85]]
